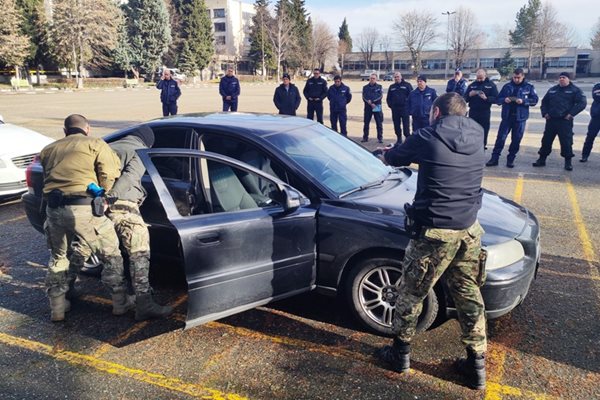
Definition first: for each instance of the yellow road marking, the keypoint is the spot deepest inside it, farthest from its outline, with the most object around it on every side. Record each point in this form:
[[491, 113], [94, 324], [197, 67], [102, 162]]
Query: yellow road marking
[[155, 379], [529, 180], [13, 219], [518, 189]]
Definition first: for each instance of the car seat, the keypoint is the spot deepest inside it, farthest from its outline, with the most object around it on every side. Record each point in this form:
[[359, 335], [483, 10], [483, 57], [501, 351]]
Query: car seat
[[227, 192]]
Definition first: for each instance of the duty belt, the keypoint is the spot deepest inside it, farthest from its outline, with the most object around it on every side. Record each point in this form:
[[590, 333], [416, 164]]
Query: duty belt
[[76, 201]]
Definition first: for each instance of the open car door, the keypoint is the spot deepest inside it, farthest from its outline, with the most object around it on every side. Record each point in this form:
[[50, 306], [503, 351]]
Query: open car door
[[246, 237]]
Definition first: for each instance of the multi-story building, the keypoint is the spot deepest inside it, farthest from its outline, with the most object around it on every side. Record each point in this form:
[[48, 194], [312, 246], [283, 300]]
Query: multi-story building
[[231, 26]]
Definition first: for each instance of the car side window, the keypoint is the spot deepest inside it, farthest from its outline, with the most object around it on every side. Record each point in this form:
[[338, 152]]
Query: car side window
[[178, 138]]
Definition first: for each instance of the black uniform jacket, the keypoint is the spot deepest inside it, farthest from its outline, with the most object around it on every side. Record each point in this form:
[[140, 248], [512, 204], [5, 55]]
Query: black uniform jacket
[[560, 101]]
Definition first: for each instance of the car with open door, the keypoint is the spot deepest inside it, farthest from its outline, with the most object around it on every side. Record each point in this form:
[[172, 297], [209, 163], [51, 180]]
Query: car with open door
[[260, 207]]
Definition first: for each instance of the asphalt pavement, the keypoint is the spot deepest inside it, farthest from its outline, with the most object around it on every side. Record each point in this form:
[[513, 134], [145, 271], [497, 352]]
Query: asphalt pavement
[[306, 347]]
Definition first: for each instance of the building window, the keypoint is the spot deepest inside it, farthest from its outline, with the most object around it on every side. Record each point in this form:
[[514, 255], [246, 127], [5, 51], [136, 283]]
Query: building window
[[220, 40], [220, 27], [219, 13]]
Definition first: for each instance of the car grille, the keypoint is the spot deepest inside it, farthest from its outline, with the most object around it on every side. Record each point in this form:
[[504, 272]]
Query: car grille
[[13, 185], [23, 161]]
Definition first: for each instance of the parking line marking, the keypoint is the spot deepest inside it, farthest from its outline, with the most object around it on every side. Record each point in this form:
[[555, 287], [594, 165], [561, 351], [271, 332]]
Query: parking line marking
[[570, 275], [13, 219], [518, 189], [151, 378]]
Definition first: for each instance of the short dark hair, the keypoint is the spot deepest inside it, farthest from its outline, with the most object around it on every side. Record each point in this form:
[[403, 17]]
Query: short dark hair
[[337, 77], [518, 71], [317, 70], [451, 104], [75, 123]]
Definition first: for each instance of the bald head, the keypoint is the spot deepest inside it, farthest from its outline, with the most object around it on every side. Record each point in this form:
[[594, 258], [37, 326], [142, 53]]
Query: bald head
[[76, 123]]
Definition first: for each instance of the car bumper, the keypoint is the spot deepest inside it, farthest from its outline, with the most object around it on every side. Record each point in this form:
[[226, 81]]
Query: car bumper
[[12, 181], [35, 214]]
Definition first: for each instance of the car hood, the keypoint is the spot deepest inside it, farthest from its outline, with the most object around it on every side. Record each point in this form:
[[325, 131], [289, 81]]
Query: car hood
[[501, 218], [18, 141]]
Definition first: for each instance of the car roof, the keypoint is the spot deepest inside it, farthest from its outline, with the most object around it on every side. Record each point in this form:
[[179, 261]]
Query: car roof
[[252, 123]]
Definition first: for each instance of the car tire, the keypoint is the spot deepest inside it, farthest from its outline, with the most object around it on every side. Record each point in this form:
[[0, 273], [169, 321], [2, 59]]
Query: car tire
[[372, 300], [92, 266]]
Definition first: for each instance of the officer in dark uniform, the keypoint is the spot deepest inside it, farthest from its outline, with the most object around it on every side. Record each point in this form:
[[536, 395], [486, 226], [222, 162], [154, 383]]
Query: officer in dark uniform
[[315, 90], [445, 234], [594, 125], [169, 93], [559, 106], [397, 101], [287, 96], [458, 84], [480, 96], [229, 89], [515, 97], [372, 94], [339, 96], [420, 101]]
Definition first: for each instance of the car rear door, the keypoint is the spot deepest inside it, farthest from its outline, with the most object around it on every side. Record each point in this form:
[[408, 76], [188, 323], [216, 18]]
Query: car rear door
[[246, 237]]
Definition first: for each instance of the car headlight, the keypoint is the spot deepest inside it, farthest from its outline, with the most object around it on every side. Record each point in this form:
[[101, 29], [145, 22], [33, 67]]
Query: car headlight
[[503, 254]]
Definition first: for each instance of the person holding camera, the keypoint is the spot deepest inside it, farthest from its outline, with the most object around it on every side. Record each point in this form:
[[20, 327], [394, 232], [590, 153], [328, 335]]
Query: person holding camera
[[70, 165], [480, 96], [169, 93], [515, 97], [445, 236]]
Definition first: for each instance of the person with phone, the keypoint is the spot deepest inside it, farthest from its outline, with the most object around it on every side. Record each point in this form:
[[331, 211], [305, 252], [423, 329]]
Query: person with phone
[[169, 93], [515, 97], [480, 96], [372, 94]]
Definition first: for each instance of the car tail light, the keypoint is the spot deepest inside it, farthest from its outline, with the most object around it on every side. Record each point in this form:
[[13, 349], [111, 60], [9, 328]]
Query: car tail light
[[28, 172]]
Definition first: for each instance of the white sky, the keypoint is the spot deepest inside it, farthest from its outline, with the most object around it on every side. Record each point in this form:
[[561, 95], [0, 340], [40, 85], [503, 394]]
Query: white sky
[[581, 15]]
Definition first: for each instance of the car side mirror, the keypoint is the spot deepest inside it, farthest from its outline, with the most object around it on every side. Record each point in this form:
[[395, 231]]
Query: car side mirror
[[291, 199]]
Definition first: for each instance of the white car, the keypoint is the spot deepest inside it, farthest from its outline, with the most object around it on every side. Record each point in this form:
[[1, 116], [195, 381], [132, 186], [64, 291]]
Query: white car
[[18, 148]]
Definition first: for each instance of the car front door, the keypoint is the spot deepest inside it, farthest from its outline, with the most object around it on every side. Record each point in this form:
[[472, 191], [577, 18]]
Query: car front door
[[246, 237]]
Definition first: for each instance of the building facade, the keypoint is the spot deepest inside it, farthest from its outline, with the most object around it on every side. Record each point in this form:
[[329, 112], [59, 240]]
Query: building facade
[[231, 21], [433, 62]]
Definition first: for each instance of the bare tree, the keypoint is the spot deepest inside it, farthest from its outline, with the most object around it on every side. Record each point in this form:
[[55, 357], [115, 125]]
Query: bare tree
[[595, 39], [415, 30], [324, 43], [366, 44], [550, 33], [498, 37], [464, 34], [83, 29], [385, 44], [281, 34]]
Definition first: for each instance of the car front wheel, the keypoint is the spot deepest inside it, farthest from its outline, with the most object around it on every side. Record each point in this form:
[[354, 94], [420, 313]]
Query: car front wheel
[[372, 290]]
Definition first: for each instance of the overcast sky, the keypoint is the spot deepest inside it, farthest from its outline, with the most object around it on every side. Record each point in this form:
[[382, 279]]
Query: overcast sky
[[492, 16]]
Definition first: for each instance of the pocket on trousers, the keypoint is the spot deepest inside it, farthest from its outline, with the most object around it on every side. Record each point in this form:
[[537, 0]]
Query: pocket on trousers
[[481, 274], [421, 273]]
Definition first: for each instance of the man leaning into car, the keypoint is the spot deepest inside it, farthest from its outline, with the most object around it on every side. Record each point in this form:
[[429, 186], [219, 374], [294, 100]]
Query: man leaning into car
[[125, 198], [445, 234], [70, 165]]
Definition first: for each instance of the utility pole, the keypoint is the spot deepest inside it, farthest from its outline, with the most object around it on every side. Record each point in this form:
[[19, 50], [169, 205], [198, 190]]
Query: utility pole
[[448, 14]]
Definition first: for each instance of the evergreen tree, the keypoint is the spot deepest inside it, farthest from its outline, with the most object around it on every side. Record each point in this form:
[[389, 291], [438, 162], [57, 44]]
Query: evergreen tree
[[34, 26], [526, 26], [187, 60], [196, 30], [149, 33], [261, 49], [302, 32], [507, 64], [14, 46], [344, 34]]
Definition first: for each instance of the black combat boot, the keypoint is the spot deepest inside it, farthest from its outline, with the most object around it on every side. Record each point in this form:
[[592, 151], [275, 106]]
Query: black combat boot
[[397, 355], [493, 162], [472, 369], [583, 159], [568, 164], [540, 162], [510, 161], [146, 308]]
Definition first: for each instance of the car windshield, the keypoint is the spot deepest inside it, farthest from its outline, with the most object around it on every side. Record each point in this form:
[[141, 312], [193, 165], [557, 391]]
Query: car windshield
[[336, 162]]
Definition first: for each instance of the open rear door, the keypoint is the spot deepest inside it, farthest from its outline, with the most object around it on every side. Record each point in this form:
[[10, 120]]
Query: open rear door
[[246, 237]]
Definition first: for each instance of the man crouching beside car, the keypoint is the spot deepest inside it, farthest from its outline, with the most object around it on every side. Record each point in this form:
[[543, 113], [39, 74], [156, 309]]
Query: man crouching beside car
[[445, 234]]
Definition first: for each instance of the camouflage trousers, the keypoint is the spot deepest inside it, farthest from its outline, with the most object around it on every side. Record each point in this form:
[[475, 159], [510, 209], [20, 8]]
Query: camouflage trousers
[[456, 255], [133, 234], [61, 226]]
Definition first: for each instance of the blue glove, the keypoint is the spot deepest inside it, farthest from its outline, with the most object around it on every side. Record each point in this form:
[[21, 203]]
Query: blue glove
[[95, 190]]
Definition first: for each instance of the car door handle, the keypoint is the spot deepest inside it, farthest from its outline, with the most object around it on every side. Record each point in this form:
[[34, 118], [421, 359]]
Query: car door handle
[[209, 238]]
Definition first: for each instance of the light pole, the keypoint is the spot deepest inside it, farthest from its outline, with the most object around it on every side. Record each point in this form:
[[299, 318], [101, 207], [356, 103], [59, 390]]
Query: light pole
[[448, 14]]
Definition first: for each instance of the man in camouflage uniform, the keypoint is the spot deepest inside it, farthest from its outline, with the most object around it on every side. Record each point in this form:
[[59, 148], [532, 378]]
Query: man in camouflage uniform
[[70, 165], [124, 198], [445, 233]]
